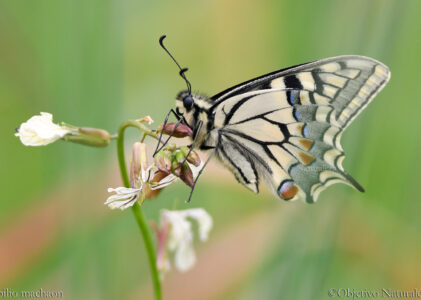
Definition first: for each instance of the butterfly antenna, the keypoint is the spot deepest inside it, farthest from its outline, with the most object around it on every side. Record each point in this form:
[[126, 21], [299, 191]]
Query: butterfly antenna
[[182, 70]]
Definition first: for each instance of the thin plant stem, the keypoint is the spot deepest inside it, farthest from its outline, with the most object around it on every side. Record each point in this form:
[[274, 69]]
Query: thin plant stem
[[136, 209]]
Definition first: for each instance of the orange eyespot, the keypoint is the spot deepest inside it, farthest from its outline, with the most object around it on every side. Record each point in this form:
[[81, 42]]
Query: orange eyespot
[[287, 190]]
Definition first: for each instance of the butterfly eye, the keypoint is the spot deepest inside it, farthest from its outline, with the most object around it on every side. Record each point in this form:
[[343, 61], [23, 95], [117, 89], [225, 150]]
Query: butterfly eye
[[188, 102]]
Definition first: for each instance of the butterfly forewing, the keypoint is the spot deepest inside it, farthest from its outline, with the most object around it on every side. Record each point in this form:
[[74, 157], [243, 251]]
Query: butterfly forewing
[[285, 127]]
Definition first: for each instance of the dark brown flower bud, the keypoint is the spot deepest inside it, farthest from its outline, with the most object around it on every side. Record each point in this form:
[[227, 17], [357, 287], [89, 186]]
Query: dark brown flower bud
[[187, 175], [180, 131]]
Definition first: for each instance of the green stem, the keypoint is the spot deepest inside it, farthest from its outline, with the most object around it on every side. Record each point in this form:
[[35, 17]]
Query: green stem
[[136, 209]]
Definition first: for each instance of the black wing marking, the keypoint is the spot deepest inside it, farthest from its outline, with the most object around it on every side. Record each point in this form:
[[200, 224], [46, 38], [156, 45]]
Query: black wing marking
[[364, 77]]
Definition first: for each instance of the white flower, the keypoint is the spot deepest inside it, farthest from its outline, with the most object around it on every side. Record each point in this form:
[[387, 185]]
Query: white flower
[[141, 177], [40, 130], [180, 235], [126, 197]]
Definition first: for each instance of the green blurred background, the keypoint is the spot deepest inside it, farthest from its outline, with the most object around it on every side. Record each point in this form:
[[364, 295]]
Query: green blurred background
[[97, 63]]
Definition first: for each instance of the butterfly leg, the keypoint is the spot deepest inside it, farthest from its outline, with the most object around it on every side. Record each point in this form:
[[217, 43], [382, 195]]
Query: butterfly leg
[[193, 144], [198, 175], [179, 120]]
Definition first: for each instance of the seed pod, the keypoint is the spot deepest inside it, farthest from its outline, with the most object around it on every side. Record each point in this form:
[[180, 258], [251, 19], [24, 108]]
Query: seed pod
[[93, 137]]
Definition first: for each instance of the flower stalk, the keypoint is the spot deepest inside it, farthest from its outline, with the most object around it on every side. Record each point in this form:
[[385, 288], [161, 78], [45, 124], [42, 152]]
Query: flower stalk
[[136, 209]]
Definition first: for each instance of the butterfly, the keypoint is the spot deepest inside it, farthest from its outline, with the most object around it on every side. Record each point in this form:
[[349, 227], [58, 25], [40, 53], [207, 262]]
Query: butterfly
[[284, 128]]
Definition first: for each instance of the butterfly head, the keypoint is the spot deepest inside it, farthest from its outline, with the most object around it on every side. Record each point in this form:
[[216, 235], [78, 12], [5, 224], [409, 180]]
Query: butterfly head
[[185, 102], [185, 106]]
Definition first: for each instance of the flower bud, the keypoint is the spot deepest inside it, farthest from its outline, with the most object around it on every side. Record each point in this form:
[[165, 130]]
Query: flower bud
[[180, 131], [184, 150], [187, 175], [146, 119], [179, 156], [138, 161], [172, 147], [193, 157], [163, 161]]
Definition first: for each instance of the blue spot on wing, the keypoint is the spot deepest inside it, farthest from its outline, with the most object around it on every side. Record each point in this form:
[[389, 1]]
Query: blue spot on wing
[[293, 168], [305, 130], [291, 97], [297, 115]]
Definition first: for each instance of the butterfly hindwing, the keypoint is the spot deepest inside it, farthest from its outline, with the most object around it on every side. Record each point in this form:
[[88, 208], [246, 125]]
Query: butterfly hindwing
[[240, 162], [286, 127], [288, 154]]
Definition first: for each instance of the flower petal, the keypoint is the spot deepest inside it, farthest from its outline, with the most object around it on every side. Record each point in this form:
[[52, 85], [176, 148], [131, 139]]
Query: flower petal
[[180, 228], [203, 219], [184, 256], [123, 198], [196, 169], [40, 130], [164, 182]]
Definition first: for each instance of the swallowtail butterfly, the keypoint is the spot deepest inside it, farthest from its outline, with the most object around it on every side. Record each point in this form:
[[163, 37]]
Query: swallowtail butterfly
[[285, 127]]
